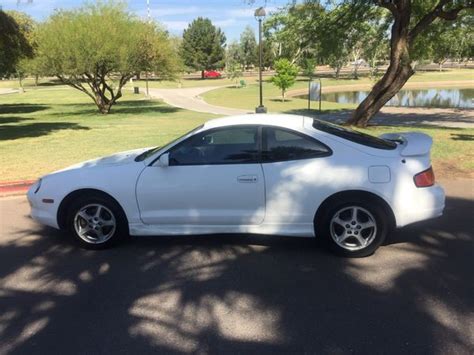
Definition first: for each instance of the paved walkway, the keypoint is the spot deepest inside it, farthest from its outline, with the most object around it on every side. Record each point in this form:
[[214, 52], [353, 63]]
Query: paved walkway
[[189, 99], [7, 91]]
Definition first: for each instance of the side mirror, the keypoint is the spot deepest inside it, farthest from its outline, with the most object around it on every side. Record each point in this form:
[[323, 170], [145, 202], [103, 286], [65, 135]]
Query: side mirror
[[164, 160]]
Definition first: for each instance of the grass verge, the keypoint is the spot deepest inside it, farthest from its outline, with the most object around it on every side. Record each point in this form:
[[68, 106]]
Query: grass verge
[[272, 96], [47, 129]]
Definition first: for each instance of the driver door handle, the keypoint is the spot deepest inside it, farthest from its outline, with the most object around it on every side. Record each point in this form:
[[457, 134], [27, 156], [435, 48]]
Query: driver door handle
[[247, 178]]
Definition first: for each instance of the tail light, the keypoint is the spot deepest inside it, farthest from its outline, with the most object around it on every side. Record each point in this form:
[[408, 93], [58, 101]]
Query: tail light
[[425, 179]]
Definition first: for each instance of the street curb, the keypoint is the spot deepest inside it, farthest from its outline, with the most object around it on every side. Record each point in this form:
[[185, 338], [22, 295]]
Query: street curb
[[9, 188]]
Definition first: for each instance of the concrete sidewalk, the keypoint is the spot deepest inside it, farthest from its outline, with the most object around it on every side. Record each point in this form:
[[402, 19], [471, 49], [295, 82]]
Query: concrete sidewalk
[[189, 99], [4, 91]]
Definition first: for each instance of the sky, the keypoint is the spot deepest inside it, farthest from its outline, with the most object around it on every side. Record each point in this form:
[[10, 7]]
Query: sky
[[230, 15]]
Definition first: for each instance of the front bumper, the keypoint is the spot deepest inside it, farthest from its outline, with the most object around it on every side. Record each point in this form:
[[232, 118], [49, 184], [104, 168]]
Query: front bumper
[[426, 203], [44, 213]]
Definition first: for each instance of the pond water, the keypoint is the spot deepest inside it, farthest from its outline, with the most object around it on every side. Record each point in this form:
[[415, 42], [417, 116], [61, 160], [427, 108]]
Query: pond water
[[443, 98]]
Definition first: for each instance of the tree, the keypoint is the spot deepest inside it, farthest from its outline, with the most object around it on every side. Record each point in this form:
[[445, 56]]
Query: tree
[[15, 44], [234, 72], [335, 47], [268, 54], [248, 48], [309, 66], [203, 46], [28, 28], [451, 40], [233, 54], [343, 44], [411, 19], [375, 47], [295, 29], [285, 76], [97, 48]]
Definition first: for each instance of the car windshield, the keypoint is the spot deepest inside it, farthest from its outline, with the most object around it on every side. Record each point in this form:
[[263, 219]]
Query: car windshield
[[354, 136], [150, 152]]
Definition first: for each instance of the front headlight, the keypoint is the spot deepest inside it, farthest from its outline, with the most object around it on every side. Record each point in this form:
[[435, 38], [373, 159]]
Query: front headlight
[[38, 185]]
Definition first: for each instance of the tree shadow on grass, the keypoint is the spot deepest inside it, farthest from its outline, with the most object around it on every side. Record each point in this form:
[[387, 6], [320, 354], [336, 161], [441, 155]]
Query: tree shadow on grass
[[281, 100], [21, 108], [13, 119], [462, 137], [143, 107], [137, 107], [240, 294], [51, 83], [313, 112], [418, 119], [35, 129]]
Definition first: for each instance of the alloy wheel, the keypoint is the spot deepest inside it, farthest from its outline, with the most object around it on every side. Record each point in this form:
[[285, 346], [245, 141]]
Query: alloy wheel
[[95, 223], [353, 228]]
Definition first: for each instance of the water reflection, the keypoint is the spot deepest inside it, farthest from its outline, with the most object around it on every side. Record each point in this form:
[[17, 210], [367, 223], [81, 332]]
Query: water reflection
[[458, 98]]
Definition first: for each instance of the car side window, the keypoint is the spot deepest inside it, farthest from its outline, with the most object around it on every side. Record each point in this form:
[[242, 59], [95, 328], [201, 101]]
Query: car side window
[[229, 145], [282, 144]]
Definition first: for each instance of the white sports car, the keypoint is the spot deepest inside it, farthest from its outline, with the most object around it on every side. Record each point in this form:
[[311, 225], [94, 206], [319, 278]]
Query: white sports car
[[268, 174]]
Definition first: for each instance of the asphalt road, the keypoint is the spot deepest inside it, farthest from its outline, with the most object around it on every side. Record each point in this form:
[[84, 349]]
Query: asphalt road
[[238, 294]]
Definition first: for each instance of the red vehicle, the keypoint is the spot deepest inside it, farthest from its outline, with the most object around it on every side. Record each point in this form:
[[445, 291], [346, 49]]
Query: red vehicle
[[211, 74]]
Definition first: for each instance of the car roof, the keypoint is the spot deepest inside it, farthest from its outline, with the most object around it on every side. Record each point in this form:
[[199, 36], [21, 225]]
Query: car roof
[[282, 120]]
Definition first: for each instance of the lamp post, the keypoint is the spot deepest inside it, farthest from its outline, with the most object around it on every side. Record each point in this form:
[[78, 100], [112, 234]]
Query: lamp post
[[259, 16]]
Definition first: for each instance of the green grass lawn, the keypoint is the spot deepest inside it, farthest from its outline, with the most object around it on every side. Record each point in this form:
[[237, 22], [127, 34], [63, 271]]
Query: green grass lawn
[[453, 150], [248, 99], [446, 75], [45, 130], [248, 96], [51, 127]]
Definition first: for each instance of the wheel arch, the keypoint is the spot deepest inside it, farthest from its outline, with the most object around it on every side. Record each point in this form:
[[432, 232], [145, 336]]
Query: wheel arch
[[72, 196], [358, 194]]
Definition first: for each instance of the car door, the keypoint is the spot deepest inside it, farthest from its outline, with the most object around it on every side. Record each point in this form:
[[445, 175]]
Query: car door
[[213, 178], [294, 166]]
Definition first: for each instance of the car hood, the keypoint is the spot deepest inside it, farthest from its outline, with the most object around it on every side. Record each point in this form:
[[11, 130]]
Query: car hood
[[121, 158]]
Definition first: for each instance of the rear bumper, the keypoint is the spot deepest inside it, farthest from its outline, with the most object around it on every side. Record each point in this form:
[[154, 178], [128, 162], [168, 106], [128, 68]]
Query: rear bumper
[[426, 203]]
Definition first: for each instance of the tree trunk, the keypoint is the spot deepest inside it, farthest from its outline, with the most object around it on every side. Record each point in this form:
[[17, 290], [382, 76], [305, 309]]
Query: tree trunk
[[104, 109], [202, 74], [103, 103], [98, 88], [382, 92], [283, 95], [395, 77], [402, 37]]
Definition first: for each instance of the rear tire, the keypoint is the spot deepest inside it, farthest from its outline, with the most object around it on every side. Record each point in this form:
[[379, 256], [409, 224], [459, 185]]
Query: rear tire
[[96, 221], [353, 228]]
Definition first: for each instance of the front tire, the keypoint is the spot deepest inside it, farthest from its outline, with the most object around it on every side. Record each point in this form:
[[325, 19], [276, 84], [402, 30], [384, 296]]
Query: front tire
[[354, 228], [96, 222]]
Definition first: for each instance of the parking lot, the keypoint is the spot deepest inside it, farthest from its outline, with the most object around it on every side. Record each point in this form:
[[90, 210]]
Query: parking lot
[[238, 294]]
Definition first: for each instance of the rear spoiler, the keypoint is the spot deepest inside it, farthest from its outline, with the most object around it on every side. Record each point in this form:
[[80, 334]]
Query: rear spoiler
[[414, 143]]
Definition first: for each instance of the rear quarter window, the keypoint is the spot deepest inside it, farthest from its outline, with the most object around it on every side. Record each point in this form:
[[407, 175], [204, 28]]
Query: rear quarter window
[[354, 136]]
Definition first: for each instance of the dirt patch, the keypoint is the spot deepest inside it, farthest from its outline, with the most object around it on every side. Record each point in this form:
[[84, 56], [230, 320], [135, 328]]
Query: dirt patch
[[447, 169]]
